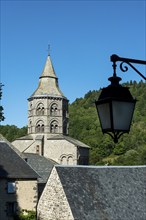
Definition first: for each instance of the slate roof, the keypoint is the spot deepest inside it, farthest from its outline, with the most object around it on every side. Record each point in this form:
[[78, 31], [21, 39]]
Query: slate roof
[[67, 138], [41, 165], [48, 83], [3, 139], [12, 165], [57, 137], [27, 137], [103, 193]]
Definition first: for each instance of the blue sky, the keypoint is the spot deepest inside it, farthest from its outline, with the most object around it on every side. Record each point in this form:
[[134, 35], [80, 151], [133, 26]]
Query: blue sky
[[82, 35]]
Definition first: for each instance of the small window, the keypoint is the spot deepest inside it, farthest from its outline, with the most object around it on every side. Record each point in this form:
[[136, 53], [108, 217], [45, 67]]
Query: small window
[[37, 149], [11, 187], [11, 208]]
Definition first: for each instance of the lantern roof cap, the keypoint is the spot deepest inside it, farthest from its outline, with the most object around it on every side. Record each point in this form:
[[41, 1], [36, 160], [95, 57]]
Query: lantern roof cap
[[116, 91]]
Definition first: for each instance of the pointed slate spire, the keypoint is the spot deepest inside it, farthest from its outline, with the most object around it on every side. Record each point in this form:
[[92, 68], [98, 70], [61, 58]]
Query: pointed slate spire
[[48, 83], [48, 70]]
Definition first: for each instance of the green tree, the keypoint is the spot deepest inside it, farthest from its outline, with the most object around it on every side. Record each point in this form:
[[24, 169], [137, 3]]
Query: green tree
[[1, 108], [11, 132], [85, 126]]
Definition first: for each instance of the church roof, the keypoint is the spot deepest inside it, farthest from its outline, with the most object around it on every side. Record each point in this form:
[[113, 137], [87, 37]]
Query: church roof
[[105, 192], [40, 164], [69, 139], [48, 83], [48, 70], [12, 165]]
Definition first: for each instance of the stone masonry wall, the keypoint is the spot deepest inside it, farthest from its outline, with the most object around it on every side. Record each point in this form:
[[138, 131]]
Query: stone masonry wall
[[22, 145], [56, 149], [53, 204], [27, 194]]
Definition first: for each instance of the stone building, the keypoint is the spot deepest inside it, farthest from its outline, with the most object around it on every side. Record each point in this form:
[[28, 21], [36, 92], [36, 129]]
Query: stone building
[[48, 122], [42, 166], [94, 193], [18, 183]]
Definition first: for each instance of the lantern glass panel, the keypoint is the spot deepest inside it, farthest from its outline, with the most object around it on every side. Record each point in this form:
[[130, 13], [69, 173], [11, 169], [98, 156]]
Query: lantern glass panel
[[104, 115], [122, 115]]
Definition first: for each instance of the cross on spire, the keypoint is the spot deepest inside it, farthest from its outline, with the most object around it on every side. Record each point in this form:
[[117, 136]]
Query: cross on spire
[[49, 49]]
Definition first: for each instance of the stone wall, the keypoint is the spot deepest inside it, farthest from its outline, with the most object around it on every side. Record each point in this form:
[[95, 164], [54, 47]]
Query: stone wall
[[61, 151], [22, 145], [57, 149], [25, 196]]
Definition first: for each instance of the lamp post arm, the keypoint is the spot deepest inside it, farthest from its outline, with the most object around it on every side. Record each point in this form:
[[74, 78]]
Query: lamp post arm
[[114, 58]]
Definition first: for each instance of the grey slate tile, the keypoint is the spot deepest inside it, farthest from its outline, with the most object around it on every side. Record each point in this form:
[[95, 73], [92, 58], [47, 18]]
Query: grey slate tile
[[105, 193]]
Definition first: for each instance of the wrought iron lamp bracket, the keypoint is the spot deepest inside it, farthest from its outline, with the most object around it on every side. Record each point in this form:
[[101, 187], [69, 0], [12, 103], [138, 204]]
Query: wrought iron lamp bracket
[[127, 61], [115, 136]]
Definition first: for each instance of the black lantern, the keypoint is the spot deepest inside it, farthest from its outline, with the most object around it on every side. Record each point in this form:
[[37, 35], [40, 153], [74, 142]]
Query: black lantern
[[115, 107]]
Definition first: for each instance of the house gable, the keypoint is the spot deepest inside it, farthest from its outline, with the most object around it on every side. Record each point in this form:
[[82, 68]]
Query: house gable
[[98, 193], [53, 203], [13, 164]]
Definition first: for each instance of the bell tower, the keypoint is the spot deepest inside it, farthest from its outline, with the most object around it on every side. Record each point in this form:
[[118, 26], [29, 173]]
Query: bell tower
[[48, 121], [47, 106]]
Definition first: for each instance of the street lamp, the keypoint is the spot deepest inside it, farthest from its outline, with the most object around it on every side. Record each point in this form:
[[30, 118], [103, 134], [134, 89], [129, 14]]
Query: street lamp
[[115, 105]]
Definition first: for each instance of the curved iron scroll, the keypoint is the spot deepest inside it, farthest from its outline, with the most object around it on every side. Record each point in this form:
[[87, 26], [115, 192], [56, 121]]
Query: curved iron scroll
[[116, 135], [125, 68]]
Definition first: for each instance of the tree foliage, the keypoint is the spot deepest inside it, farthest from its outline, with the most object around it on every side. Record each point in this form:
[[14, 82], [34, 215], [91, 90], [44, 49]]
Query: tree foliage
[[84, 125], [1, 108], [25, 215], [11, 132]]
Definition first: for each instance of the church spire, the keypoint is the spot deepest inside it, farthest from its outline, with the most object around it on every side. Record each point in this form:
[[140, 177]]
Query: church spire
[[48, 107], [48, 70], [48, 83]]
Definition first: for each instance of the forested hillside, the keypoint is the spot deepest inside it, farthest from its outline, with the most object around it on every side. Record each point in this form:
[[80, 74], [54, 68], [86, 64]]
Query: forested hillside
[[84, 126], [11, 132]]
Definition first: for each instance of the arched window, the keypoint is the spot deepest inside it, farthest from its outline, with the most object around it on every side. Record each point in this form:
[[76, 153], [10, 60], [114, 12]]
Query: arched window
[[63, 160], [40, 109], [70, 160], [54, 109], [54, 127], [40, 127], [43, 110], [30, 127], [30, 106]]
